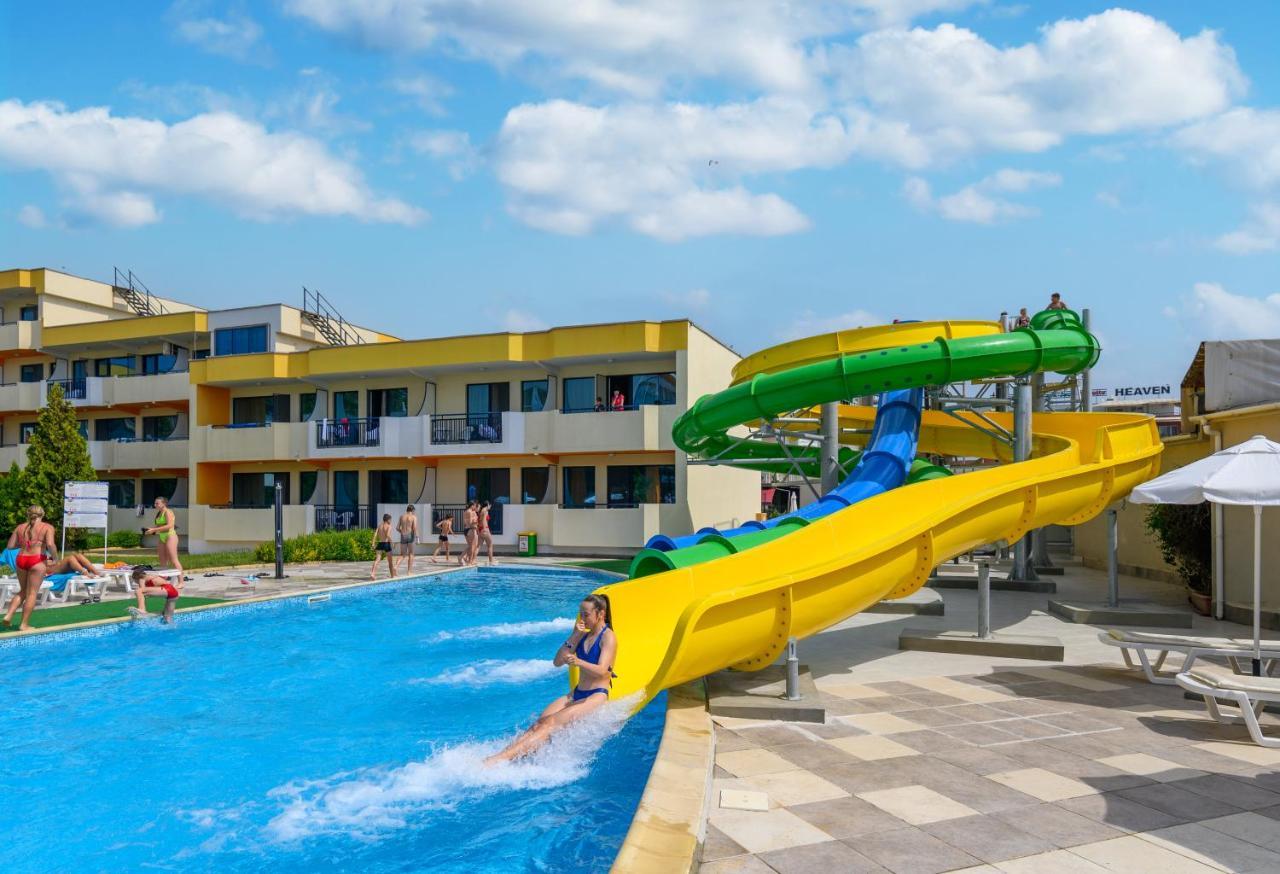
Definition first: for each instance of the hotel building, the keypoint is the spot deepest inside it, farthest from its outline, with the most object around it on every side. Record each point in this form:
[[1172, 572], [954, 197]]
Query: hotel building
[[212, 408]]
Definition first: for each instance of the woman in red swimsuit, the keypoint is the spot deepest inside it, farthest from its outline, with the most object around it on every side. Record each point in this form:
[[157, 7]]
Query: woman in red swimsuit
[[34, 541]]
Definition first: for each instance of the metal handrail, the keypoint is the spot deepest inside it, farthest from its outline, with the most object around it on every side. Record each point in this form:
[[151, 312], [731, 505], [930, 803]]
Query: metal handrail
[[75, 388], [344, 517], [455, 511], [466, 428], [332, 433], [328, 320]]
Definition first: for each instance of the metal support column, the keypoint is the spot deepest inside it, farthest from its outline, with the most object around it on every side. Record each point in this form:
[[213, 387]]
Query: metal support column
[[1022, 569], [1086, 384], [830, 447], [279, 506], [793, 671], [1113, 544], [984, 601], [1040, 537]]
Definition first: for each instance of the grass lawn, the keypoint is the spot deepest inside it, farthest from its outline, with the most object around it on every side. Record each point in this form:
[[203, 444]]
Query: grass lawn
[[53, 616], [614, 565], [193, 562]]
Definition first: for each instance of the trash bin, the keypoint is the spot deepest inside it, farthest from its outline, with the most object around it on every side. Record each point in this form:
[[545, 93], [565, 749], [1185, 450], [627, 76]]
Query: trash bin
[[527, 543]]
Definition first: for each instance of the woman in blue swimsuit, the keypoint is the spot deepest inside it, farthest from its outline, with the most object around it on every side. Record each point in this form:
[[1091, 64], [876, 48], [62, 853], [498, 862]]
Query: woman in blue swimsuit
[[592, 649]]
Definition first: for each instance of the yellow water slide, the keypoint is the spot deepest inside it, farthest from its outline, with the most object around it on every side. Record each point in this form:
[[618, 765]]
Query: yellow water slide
[[681, 620]]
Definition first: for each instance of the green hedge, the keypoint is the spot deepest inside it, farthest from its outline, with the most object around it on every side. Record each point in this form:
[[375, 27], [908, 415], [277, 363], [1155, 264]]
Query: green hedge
[[323, 546], [126, 538]]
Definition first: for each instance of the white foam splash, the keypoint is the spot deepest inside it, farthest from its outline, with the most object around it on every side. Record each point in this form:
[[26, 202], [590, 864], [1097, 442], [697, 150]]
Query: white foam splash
[[491, 672], [366, 804], [504, 629]]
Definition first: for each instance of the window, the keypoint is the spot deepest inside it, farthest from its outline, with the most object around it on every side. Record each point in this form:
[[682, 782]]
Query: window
[[158, 428], [388, 487], [579, 394], [83, 424], [631, 485], [25, 430], [162, 487], [79, 369], [30, 313], [346, 404], [120, 493], [260, 410], [489, 484], [639, 389], [579, 487], [533, 395], [258, 489], [32, 373], [114, 429], [120, 365], [306, 406], [240, 341], [388, 402], [307, 482], [488, 397], [533, 484], [158, 363], [346, 488], [200, 354]]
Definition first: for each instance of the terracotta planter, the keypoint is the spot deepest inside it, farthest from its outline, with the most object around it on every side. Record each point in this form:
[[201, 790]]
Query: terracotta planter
[[1201, 602]]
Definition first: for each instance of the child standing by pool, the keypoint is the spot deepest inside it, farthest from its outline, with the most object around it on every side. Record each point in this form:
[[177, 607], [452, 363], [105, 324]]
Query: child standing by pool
[[382, 547], [446, 528]]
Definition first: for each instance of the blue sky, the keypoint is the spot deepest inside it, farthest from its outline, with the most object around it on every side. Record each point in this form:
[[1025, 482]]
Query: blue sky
[[769, 169]]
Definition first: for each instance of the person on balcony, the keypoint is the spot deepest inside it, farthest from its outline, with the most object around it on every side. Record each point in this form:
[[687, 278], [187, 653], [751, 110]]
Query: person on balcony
[[619, 401]]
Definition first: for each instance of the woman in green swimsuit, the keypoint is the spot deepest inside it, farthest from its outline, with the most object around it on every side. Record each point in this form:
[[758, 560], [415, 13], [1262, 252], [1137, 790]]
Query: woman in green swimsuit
[[166, 531]]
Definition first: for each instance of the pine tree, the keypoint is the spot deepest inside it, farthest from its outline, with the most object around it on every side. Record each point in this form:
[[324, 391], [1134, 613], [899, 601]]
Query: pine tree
[[11, 510], [56, 454]]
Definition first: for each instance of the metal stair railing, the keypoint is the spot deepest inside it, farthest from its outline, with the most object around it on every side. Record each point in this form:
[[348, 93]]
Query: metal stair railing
[[136, 294], [331, 325]]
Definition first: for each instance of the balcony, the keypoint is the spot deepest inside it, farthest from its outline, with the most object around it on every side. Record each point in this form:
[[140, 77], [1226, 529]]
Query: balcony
[[227, 526], [25, 396], [385, 437], [19, 336], [348, 432], [137, 389], [10, 454], [171, 454], [639, 429], [475, 433], [271, 441]]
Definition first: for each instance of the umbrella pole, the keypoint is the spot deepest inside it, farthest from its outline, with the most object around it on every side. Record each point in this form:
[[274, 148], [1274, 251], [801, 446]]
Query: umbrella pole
[[1257, 590]]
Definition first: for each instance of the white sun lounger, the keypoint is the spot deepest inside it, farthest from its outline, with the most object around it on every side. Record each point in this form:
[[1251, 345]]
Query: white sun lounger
[[9, 587], [1248, 693], [1135, 645]]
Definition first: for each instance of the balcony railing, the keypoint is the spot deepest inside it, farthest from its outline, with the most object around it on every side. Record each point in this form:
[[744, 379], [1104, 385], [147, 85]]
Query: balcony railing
[[466, 428], [347, 432], [605, 408], [72, 389], [455, 511], [344, 517]]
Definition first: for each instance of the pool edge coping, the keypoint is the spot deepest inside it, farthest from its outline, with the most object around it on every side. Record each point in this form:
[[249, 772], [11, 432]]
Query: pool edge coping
[[669, 825]]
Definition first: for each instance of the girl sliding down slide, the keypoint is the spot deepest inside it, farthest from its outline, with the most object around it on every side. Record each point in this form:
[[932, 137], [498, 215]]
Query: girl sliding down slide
[[592, 649]]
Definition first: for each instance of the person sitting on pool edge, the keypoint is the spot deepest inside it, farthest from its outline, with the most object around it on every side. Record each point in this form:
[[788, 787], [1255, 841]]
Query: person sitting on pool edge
[[592, 649], [144, 584]]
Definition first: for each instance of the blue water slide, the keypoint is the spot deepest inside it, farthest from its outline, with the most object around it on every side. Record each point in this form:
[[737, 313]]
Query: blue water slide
[[883, 466]]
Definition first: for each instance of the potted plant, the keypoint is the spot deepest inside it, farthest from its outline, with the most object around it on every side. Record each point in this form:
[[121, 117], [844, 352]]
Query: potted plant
[[1183, 533]]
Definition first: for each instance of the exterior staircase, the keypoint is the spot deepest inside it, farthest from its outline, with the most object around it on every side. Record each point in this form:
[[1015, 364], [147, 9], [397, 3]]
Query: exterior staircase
[[328, 322], [136, 294]]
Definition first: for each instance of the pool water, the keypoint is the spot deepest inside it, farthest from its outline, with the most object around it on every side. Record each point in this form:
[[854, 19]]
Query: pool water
[[344, 735]]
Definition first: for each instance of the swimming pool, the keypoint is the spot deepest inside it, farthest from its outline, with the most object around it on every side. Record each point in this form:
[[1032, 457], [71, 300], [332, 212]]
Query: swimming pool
[[341, 735]]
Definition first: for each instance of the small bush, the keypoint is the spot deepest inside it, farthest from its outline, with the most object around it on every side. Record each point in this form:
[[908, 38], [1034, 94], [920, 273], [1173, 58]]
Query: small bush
[[126, 538], [93, 541], [322, 546], [1183, 533]]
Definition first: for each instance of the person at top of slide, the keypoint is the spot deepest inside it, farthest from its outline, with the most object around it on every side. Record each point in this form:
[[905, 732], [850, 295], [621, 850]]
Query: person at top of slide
[[35, 545], [146, 583], [1023, 319], [1055, 302], [592, 649], [166, 531]]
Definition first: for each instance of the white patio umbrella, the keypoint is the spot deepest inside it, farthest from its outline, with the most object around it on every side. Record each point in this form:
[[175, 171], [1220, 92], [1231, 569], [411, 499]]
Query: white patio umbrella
[[1246, 475]]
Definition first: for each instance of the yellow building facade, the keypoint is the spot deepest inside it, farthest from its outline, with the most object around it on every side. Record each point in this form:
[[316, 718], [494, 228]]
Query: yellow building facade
[[211, 408]]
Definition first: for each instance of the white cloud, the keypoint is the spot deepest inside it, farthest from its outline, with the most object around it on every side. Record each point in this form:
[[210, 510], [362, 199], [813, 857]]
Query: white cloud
[[1246, 140], [928, 95], [621, 45], [32, 216], [518, 321], [1108, 198], [237, 36], [451, 147], [1260, 234], [671, 171], [977, 202], [1220, 315], [112, 167], [809, 323], [426, 91]]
